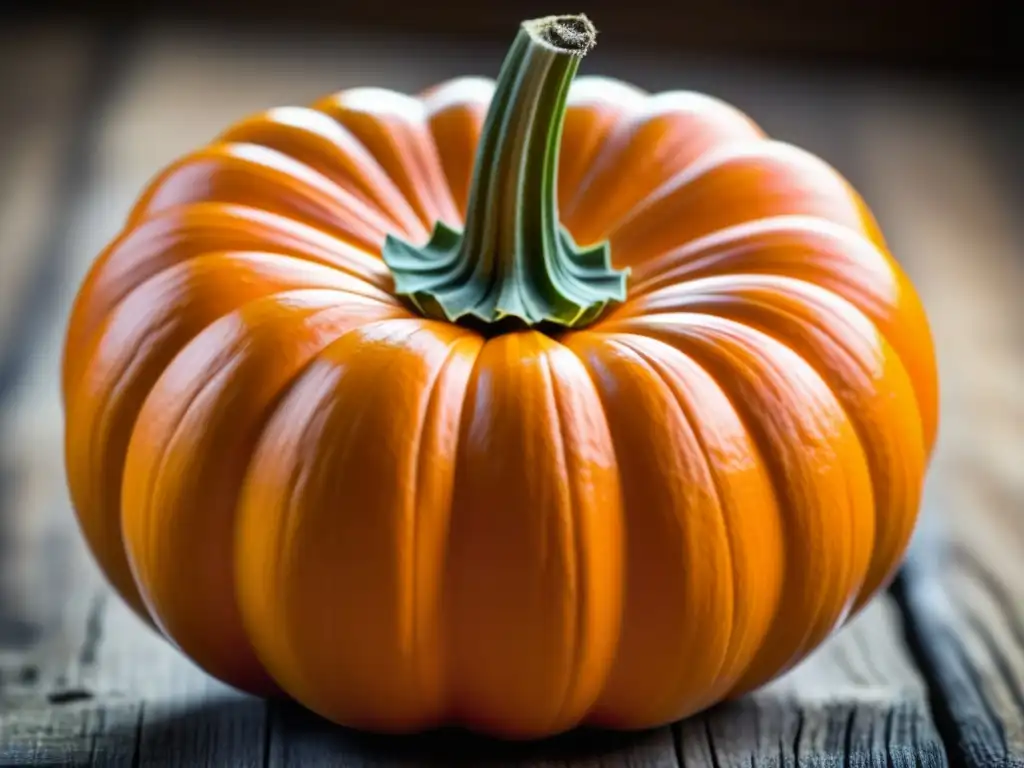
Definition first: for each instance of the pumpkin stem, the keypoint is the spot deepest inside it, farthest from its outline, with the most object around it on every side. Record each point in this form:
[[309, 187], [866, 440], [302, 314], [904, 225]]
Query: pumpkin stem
[[514, 260]]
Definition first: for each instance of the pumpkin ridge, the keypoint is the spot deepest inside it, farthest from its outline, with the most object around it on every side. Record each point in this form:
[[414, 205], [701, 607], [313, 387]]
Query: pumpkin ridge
[[283, 478], [398, 137], [715, 252], [845, 262], [671, 694], [675, 387], [514, 581], [574, 668], [640, 403], [700, 334], [783, 497], [302, 133], [815, 361], [158, 240], [131, 346], [287, 527], [748, 181], [757, 147], [408, 590], [124, 581], [470, 96], [411, 588], [832, 312], [686, 127], [252, 337], [705, 163], [175, 271], [253, 175], [441, 616], [590, 96]]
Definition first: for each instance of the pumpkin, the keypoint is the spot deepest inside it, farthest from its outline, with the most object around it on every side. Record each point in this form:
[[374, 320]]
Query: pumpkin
[[514, 405]]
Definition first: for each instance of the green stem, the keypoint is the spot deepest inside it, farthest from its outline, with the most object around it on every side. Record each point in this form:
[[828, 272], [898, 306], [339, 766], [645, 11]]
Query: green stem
[[514, 259]]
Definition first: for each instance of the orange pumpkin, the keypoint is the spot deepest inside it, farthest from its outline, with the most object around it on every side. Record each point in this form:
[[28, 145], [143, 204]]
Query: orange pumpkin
[[512, 405]]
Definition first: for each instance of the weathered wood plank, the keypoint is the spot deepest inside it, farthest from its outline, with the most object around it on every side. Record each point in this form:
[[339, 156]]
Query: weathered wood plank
[[953, 209], [92, 687]]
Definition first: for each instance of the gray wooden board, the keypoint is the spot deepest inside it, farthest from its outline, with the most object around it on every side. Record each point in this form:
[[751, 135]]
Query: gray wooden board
[[83, 683], [952, 197]]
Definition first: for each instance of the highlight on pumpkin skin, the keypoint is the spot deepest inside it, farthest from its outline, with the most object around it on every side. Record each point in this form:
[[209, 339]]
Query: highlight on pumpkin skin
[[636, 500], [189, 456], [668, 418], [127, 355], [319, 141]]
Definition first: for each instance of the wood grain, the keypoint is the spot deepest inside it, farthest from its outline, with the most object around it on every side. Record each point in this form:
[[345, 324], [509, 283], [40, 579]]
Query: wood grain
[[84, 683], [952, 194]]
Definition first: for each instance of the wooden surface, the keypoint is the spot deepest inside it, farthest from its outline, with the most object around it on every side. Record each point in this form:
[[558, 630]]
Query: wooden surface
[[931, 674]]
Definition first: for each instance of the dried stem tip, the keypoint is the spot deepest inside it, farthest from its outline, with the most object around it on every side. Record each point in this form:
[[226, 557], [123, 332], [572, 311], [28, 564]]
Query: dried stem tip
[[573, 34]]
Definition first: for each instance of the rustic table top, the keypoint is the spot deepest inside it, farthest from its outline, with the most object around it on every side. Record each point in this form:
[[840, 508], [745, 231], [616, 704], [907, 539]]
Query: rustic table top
[[931, 673]]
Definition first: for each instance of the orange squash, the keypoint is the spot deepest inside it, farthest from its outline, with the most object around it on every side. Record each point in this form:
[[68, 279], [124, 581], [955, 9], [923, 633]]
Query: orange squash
[[516, 405]]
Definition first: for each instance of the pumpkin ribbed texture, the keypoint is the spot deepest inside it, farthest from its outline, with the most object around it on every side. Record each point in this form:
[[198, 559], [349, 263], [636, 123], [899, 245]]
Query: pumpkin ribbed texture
[[401, 522]]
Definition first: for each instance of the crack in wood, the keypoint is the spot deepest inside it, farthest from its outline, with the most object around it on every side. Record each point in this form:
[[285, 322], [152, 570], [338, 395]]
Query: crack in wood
[[93, 631]]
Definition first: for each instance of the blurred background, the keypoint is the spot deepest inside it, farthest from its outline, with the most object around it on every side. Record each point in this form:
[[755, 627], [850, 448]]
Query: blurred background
[[918, 103], [951, 34]]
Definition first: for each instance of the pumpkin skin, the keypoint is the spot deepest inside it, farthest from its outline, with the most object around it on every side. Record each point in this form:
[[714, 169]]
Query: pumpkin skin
[[402, 523]]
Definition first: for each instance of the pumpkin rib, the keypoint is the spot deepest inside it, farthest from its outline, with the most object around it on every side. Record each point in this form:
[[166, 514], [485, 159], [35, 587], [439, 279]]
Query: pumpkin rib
[[591, 653], [735, 183], [393, 128], [177, 234], [658, 138], [869, 381], [774, 242], [409, 587], [136, 341], [563, 713], [282, 597], [742, 482], [248, 265], [595, 106], [429, 422], [212, 375], [831, 256], [716, 343], [513, 593], [187, 460], [320, 142], [677, 389], [412, 584], [674, 699], [842, 574], [264, 642], [119, 364], [455, 112], [458, 91], [256, 176]]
